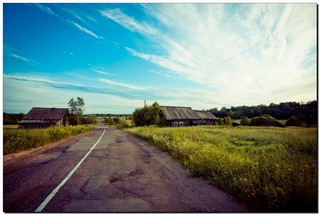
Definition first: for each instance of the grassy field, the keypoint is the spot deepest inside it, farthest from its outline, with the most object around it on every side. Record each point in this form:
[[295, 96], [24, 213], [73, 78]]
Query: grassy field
[[15, 140], [282, 121], [270, 169]]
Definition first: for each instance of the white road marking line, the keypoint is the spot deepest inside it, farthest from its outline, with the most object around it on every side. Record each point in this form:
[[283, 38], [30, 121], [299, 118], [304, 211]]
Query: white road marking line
[[55, 191]]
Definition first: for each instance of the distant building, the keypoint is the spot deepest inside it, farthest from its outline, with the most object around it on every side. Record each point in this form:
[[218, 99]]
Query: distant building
[[45, 117], [185, 116]]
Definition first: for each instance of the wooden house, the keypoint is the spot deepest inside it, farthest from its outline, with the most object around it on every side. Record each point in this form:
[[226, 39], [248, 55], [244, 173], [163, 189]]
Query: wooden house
[[45, 117], [185, 116]]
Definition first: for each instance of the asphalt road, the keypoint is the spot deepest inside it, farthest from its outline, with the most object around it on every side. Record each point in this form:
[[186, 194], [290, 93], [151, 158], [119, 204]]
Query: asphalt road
[[121, 174]]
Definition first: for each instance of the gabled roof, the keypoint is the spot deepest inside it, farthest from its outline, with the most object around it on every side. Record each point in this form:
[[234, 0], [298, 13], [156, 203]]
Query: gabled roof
[[176, 113], [37, 113], [171, 113], [205, 114]]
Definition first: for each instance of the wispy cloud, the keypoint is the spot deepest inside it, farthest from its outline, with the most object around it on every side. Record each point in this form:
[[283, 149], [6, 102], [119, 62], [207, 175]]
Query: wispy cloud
[[113, 87], [128, 22], [81, 28], [121, 84], [24, 58], [251, 55], [165, 74], [46, 9], [100, 70], [65, 19], [68, 53]]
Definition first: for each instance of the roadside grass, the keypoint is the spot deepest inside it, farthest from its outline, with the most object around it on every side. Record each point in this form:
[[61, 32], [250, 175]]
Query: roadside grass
[[15, 140], [10, 126], [270, 169]]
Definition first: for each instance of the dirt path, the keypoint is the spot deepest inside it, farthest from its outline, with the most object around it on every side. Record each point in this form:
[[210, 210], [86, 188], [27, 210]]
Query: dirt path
[[122, 174]]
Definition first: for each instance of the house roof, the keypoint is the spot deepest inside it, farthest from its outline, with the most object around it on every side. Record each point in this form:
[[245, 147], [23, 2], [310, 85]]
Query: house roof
[[180, 113], [44, 114], [205, 114]]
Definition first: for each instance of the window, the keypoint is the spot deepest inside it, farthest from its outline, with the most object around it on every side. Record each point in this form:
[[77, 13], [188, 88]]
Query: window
[[175, 124], [180, 124]]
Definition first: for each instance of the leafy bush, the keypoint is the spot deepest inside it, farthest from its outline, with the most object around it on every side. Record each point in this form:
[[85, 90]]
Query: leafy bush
[[265, 120], [109, 121], [89, 120], [271, 169], [227, 120], [245, 121], [220, 121], [116, 120]]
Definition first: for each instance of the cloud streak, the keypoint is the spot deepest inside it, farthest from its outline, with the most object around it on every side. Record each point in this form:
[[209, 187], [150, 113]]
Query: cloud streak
[[49, 11], [100, 70], [24, 59], [46, 9], [128, 22], [83, 29], [121, 84]]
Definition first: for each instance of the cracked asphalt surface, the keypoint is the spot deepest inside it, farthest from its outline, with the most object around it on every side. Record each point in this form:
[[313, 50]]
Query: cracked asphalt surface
[[122, 174]]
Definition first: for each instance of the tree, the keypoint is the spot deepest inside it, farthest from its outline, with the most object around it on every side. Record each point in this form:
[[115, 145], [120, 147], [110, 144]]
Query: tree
[[76, 108], [148, 115]]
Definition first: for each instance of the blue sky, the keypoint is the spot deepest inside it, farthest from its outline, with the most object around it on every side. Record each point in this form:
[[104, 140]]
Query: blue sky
[[116, 56]]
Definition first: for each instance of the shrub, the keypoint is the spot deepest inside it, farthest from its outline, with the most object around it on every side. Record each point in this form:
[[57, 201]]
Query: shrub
[[227, 120], [109, 121], [220, 121], [89, 120], [116, 120], [245, 121], [265, 120]]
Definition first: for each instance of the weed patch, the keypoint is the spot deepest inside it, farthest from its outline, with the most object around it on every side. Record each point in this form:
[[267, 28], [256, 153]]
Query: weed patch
[[15, 140]]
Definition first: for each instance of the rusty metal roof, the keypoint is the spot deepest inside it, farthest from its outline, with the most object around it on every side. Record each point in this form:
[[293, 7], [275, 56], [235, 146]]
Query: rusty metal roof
[[37, 113], [180, 113]]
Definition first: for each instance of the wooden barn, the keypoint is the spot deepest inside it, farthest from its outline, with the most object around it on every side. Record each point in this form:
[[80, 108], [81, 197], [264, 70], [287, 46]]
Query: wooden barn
[[185, 116], [45, 117]]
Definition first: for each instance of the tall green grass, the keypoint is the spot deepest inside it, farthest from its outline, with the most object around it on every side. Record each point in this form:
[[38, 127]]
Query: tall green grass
[[15, 140], [270, 169]]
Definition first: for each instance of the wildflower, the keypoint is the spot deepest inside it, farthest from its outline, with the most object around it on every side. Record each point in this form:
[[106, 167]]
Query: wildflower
[[313, 162], [292, 151]]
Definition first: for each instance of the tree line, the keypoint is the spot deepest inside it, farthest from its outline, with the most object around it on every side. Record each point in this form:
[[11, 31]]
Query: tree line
[[283, 110], [12, 118]]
